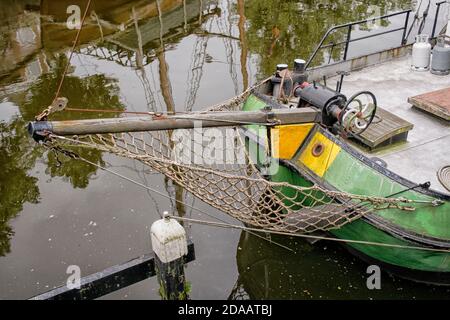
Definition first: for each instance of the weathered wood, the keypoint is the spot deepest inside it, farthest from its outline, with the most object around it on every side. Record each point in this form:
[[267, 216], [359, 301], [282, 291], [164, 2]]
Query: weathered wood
[[170, 122], [169, 242], [389, 128], [435, 102]]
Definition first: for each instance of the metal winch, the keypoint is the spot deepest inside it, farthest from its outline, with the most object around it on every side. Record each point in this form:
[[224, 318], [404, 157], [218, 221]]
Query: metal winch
[[330, 102], [352, 115], [338, 113]]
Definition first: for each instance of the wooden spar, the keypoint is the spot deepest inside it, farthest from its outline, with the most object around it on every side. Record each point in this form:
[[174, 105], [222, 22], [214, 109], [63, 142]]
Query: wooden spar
[[38, 129]]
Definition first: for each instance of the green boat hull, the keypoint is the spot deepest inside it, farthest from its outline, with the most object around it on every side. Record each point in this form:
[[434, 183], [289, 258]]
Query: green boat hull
[[428, 226]]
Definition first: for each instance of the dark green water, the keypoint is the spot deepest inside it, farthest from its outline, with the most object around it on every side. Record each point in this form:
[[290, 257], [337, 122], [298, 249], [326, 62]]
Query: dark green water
[[56, 212]]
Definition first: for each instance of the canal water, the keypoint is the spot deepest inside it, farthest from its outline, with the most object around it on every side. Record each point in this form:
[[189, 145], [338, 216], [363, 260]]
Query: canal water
[[165, 55]]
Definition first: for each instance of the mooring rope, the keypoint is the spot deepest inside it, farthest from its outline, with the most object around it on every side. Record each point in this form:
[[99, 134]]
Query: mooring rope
[[309, 236]]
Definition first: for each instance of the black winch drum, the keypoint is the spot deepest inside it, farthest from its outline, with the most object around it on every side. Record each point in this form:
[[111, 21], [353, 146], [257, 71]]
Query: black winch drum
[[320, 96]]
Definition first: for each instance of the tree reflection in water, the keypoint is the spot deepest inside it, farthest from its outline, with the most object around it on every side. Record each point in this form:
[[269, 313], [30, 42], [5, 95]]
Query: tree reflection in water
[[18, 153], [279, 32]]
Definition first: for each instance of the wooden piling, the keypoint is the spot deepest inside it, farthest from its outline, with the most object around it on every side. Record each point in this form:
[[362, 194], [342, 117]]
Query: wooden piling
[[169, 243]]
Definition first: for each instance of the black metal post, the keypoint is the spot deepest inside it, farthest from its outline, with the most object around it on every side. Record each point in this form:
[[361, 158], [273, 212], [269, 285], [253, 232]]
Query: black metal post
[[347, 44], [405, 28], [438, 8]]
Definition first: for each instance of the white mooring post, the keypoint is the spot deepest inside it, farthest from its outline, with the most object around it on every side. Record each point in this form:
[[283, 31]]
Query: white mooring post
[[169, 243]]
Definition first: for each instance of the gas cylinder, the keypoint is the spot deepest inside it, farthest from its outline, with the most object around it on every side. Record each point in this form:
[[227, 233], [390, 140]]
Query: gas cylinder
[[440, 63], [421, 53]]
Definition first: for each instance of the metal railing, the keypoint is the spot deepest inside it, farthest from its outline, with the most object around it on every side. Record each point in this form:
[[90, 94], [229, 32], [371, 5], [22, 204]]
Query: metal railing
[[436, 17], [349, 27], [349, 39]]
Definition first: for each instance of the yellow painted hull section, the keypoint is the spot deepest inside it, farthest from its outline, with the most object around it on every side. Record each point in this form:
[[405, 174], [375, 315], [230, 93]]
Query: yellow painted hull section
[[287, 139], [320, 154]]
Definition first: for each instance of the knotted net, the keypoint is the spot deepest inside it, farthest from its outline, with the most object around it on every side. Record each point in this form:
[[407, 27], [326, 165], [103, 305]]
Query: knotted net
[[229, 172]]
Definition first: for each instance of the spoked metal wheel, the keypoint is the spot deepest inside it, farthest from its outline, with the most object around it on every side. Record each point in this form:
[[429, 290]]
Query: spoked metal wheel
[[359, 112]]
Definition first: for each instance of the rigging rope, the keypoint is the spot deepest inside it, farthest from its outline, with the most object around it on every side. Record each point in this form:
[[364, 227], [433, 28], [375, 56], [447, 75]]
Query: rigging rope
[[75, 42], [250, 230], [77, 157], [239, 188], [309, 236], [59, 103]]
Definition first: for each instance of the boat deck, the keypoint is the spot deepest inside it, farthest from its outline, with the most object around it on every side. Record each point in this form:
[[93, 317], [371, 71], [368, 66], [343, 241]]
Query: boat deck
[[428, 146]]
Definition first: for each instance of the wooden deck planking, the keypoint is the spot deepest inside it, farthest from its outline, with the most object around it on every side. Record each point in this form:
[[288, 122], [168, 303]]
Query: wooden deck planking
[[435, 102], [389, 127]]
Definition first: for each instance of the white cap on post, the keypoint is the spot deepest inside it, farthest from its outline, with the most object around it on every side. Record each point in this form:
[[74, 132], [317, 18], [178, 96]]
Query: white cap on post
[[169, 241]]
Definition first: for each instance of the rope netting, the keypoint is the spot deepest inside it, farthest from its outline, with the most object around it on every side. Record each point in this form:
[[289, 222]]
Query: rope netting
[[220, 167]]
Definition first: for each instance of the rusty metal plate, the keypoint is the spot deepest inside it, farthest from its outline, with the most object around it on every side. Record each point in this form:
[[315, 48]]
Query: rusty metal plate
[[435, 102]]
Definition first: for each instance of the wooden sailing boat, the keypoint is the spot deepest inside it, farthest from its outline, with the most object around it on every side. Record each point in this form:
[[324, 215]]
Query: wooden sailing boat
[[322, 183], [311, 155]]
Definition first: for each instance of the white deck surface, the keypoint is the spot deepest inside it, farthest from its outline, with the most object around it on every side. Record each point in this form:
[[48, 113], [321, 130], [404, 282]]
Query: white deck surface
[[428, 145]]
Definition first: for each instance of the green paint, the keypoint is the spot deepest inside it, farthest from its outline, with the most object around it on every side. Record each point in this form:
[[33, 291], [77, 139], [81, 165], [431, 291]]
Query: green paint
[[408, 258], [349, 174], [253, 103], [277, 172]]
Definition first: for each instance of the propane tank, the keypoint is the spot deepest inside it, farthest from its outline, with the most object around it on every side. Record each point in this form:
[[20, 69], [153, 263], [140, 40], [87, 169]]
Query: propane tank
[[421, 53], [440, 64]]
